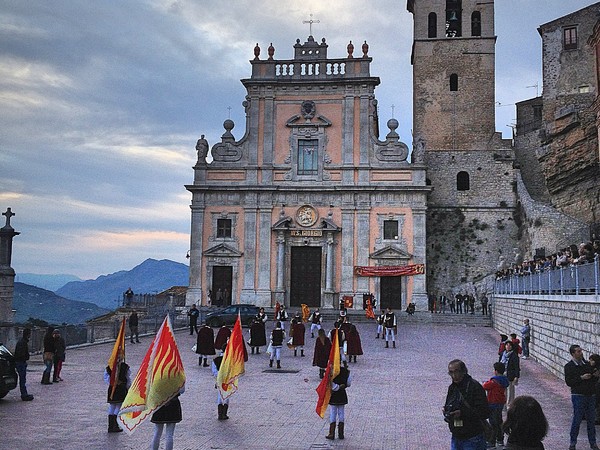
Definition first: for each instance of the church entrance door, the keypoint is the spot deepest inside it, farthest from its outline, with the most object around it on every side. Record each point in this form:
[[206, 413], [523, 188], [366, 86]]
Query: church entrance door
[[305, 276], [221, 285], [390, 292]]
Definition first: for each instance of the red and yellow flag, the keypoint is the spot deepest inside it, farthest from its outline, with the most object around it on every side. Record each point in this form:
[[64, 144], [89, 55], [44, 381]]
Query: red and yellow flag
[[305, 312], [116, 358], [332, 371], [159, 379], [232, 365]]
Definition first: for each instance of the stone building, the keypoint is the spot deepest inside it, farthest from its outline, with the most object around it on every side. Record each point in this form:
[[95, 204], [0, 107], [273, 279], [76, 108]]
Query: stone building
[[310, 205], [470, 223], [556, 137]]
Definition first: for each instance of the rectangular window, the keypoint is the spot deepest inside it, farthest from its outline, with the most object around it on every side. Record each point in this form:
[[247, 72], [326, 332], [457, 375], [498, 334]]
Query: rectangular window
[[223, 228], [390, 229], [570, 38], [308, 156]]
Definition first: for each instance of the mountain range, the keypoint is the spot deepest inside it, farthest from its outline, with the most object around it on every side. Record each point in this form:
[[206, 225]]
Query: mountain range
[[49, 282], [151, 276], [41, 304]]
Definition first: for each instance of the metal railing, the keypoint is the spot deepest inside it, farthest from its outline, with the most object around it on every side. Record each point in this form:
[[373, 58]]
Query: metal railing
[[580, 279]]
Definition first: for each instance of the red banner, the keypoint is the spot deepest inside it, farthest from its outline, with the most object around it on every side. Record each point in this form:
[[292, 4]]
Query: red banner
[[389, 271]]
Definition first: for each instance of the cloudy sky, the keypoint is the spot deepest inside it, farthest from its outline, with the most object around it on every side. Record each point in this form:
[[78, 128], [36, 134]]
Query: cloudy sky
[[101, 104]]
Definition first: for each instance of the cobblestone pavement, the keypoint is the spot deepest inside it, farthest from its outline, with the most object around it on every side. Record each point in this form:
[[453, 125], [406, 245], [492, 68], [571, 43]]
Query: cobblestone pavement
[[395, 399]]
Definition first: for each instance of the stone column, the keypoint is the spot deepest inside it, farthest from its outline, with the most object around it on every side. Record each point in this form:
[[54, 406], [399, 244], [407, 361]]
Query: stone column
[[329, 268], [7, 273], [248, 294], [194, 292], [419, 295]]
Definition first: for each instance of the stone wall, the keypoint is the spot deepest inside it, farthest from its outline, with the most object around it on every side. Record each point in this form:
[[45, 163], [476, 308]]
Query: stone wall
[[545, 227], [555, 324]]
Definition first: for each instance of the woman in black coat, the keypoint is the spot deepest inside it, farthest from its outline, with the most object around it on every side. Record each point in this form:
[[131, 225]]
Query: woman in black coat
[[510, 359]]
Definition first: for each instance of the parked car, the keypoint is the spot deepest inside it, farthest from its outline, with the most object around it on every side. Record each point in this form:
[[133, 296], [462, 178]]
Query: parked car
[[228, 315], [8, 372]]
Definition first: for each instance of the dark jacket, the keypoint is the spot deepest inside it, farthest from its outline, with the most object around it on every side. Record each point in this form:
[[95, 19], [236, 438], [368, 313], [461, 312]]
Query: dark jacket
[[22, 350], [513, 368], [573, 373], [470, 398], [168, 413], [340, 397]]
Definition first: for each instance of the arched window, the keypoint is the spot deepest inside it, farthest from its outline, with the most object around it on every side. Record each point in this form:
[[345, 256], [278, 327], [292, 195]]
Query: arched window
[[432, 25], [476, 23], [453, 18], [454, 82], [462, 181]]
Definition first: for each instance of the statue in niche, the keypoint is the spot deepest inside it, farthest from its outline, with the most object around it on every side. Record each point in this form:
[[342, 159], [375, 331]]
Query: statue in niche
[[418, 153], [202, 148]]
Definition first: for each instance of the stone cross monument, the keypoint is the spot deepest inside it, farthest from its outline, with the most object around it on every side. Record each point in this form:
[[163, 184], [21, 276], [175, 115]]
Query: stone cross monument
[[7, 273]]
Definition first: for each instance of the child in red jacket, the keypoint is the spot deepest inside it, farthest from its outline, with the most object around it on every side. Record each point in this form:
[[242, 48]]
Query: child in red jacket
[[496, 395]]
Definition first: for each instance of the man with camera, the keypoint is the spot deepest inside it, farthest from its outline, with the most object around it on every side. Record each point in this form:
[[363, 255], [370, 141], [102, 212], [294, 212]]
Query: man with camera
[[466, 409]]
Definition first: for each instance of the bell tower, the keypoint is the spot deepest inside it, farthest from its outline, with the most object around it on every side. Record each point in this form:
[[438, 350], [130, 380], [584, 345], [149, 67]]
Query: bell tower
[[469, 165]]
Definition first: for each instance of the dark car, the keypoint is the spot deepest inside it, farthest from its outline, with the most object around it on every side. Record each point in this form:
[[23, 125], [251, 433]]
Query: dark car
[[8, 372], [228, 315]]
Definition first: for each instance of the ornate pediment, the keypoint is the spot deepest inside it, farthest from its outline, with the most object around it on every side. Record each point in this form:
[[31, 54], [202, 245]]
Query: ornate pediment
[[329, 225], [223, 251], [300, 121], [283, 224], [390, 252]]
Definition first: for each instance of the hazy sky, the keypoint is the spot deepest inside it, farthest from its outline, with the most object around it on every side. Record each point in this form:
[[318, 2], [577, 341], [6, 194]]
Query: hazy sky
[[101, 104]]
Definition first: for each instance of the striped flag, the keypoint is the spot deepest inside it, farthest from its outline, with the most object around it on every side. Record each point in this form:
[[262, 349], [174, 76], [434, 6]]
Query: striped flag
[[159, 379], [116, 358], [332, 371], [232, 365]]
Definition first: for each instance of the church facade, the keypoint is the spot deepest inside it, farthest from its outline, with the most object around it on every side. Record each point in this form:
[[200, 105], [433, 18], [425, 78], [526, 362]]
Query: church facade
[[310, 206]]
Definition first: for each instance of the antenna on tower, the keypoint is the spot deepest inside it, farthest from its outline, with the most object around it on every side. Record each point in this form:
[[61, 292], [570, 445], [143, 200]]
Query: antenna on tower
[[537, 88]]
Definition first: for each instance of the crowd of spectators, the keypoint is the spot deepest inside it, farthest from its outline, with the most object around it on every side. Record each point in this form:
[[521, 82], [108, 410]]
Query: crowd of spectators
[[584, 253]]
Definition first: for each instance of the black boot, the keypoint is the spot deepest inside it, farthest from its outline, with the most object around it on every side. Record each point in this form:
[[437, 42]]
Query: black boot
[[354, 358], [331, 434], [46, 378], [341, 430], [200, 360], [387, 344], [278, 364], [258, 350], [295, 352], [377, 337], [225, 408], [220, 411], [270, 363], [394, 344], [253, 350], [302, 352], [205, 362], [113, 426], [321, 373]]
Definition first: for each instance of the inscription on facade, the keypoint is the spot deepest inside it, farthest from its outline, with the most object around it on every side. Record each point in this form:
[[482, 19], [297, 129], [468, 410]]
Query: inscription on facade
[[306, 233]]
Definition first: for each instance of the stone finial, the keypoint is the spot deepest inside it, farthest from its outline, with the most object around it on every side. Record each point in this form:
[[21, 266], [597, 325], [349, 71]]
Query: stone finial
[[392, 124], [8, 215], [271, 51], [256, 51], [365, 49], [350, 49], [228, 125]]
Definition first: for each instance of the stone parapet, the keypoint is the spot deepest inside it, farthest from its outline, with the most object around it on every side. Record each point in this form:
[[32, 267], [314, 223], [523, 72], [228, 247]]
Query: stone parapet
[[556, 323]]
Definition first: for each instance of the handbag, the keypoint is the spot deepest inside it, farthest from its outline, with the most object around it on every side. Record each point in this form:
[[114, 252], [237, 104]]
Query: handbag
[[270, 348]]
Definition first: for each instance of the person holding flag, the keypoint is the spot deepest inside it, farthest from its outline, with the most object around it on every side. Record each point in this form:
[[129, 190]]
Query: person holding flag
[[159, 380], [118, 377], [228, 368], [332, 391]]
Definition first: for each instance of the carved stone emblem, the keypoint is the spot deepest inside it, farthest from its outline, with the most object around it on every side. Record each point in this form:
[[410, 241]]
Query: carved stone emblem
[[306, 216]]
